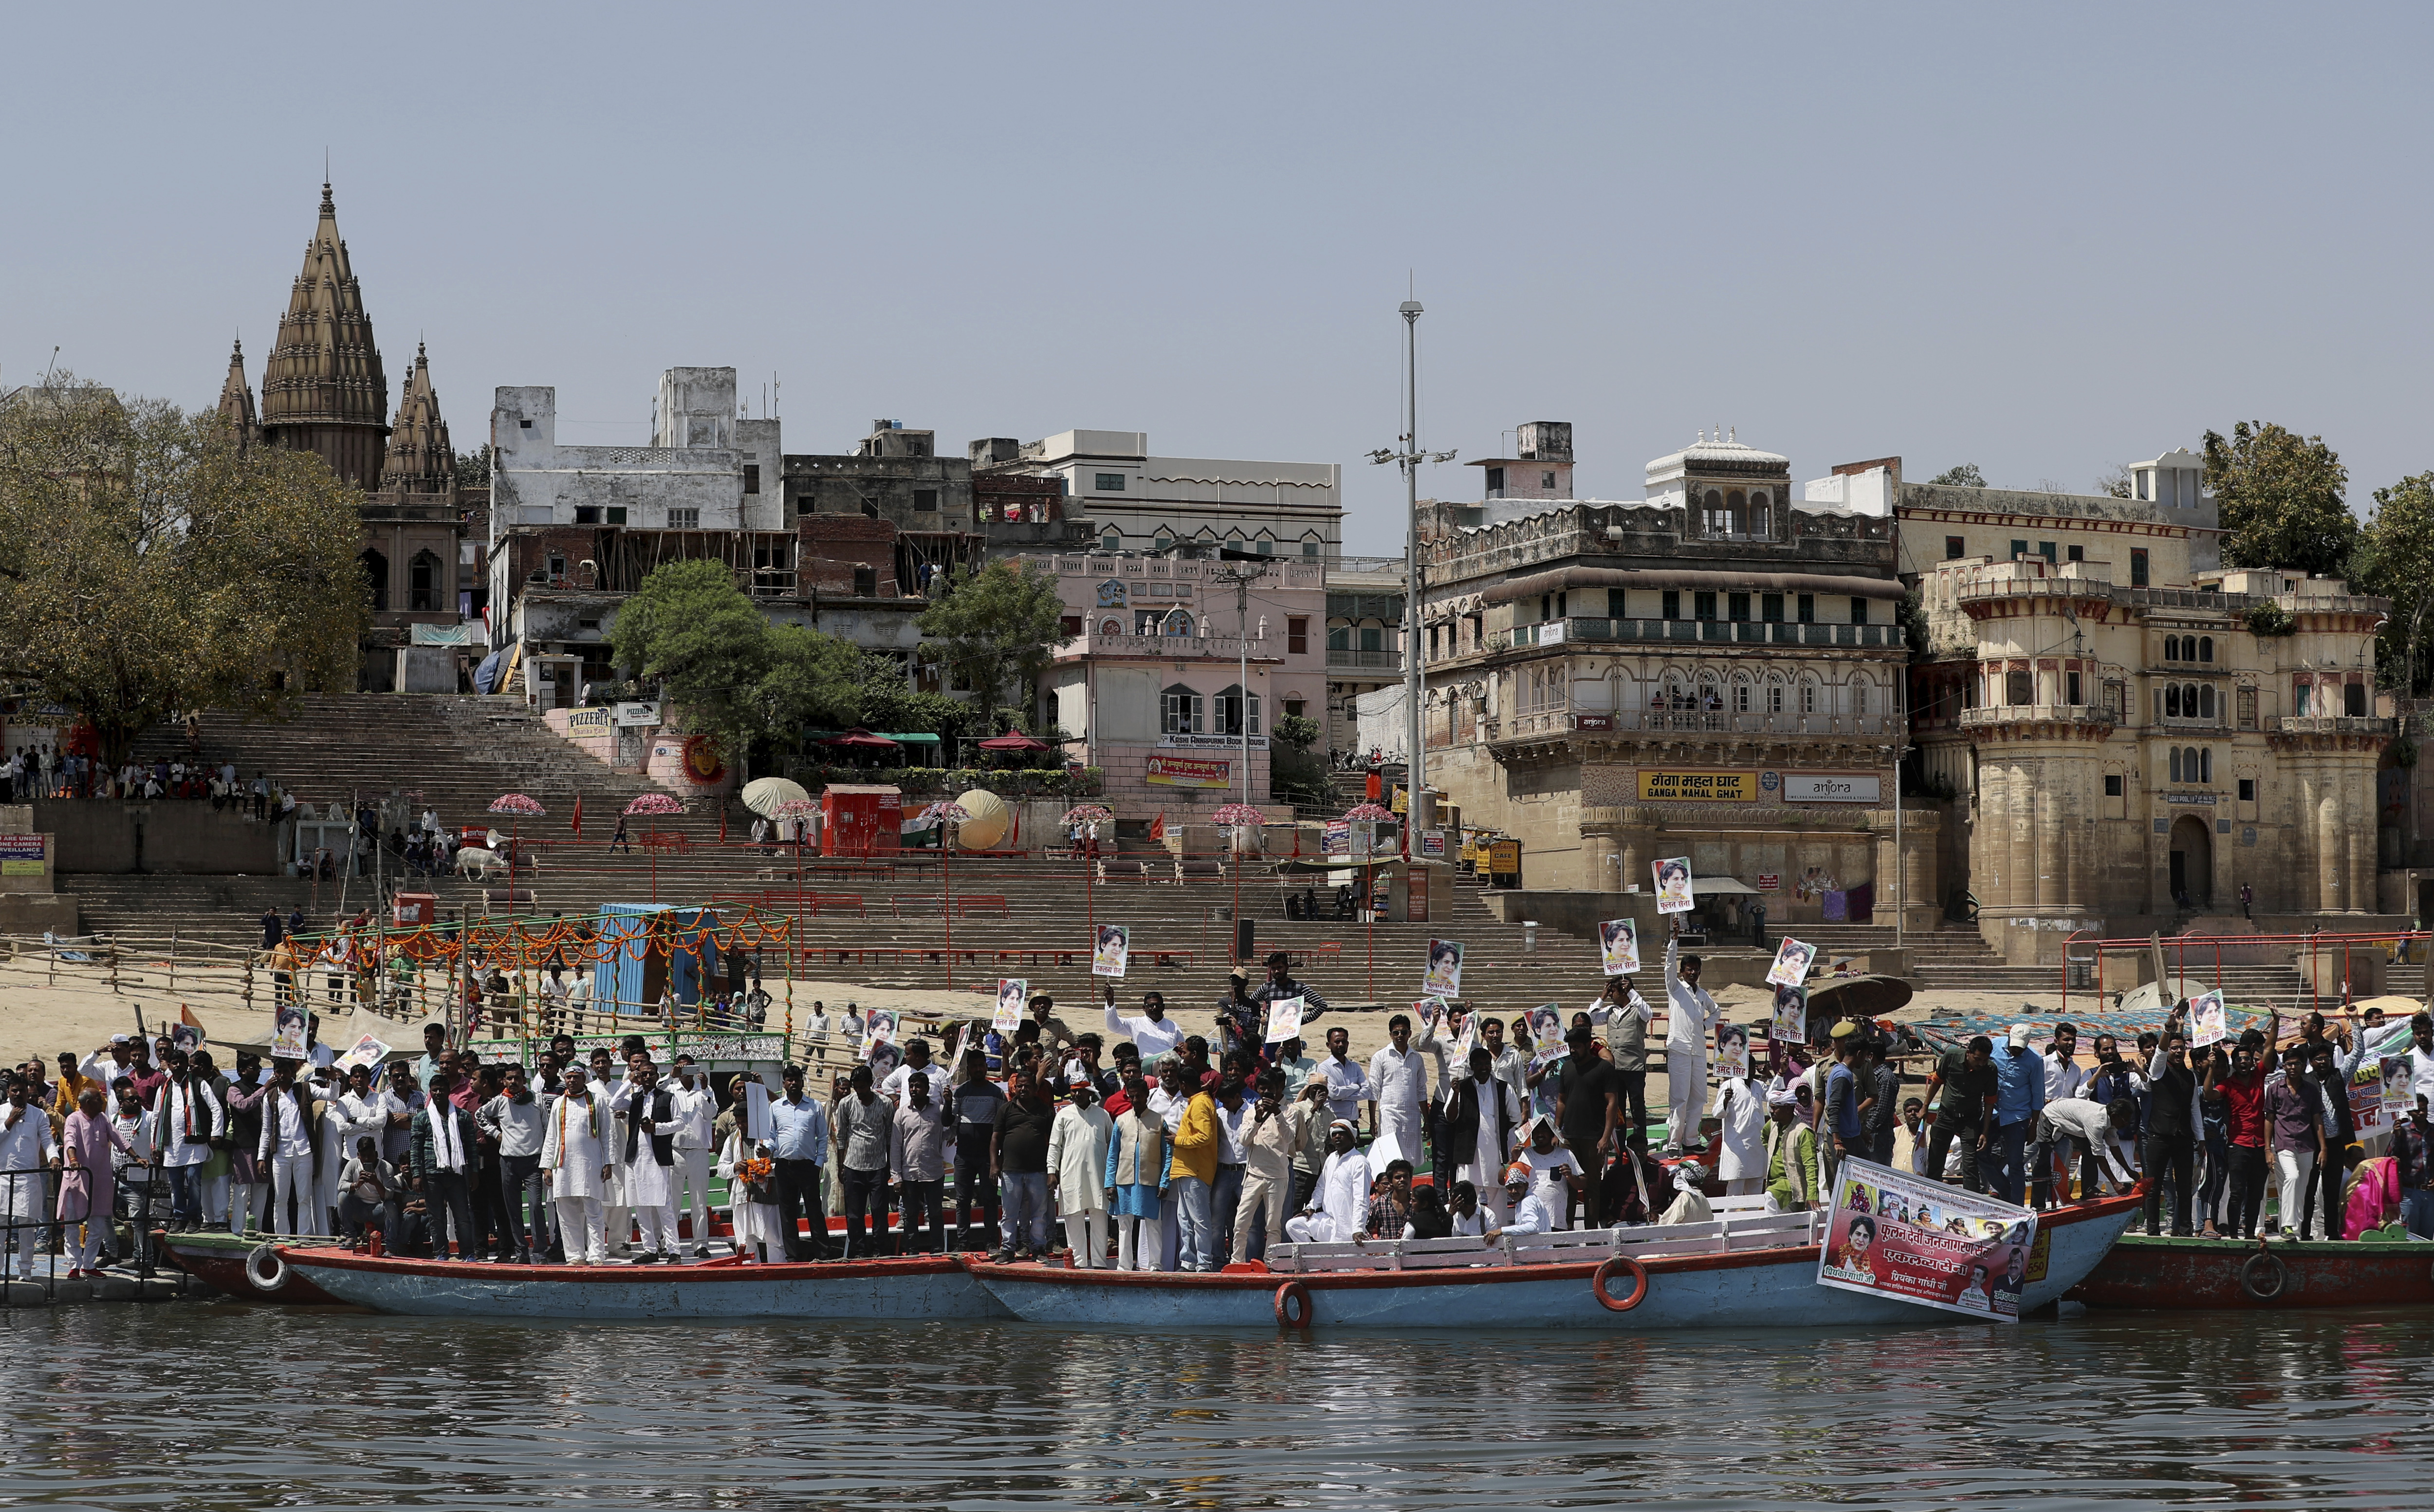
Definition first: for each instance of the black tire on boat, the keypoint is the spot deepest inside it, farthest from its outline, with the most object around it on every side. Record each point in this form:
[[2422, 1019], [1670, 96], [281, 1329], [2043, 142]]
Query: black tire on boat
[[2254, 1270], [1621, 1265], [1292, 1305], [275, 1277]]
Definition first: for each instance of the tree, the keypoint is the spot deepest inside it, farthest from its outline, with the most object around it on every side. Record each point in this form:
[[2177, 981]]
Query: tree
[[890, 702], [2281, 500], [149, 566], [739, 679], [2395, 558], [473, 467], [996, 631], [1965, 476], [2116, 483]]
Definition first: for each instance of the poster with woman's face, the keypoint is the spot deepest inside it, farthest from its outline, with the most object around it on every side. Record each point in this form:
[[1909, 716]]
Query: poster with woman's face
[[1618, 947], [288, 1030], [1444, 976], [1789, 1025], [878, 1030], [1732, 1050], [1547, 1030], [1791, 962], [2208, 1022], [1012, 994], [1673, 885], [1114, 948]]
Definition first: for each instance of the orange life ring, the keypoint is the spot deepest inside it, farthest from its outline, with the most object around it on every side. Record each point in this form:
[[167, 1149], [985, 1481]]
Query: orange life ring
[[1292, 1305], [1620, 1265]]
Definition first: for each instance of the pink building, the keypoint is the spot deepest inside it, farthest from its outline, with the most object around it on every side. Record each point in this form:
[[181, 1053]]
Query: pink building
[[1153, 686]]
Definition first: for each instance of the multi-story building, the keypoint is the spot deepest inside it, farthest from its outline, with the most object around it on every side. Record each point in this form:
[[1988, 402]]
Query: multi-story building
[[1151, 686], [1713, 672], [2128, 732], [1148, 503], [1365, 645]]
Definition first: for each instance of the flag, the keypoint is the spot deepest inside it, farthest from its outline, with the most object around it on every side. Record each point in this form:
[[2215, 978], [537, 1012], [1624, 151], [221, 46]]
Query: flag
[[1158, 826], [578, 816], [722, 823]]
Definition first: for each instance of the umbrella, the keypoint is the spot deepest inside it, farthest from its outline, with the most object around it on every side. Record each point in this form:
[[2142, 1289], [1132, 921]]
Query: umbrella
[[656, 803], [1860, 996], [1087, 814], [1238, 814], [1369, 812], [763, 794], [863, 739], [516, 802], [1013, 742]]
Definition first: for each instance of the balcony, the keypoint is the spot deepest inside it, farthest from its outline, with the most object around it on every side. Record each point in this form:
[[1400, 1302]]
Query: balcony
[[1179, 647], [1544, 724], [1705, 632], [2010, 717], [1342, 659], [2329, 724]]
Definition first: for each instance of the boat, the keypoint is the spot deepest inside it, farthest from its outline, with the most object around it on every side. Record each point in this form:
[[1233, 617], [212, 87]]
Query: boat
[[2175, 1273], [909, 1287], [242, 1266], [1732, 1272]]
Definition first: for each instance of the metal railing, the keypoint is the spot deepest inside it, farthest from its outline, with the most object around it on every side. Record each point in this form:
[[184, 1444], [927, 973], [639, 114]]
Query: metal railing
[[1704, 632]]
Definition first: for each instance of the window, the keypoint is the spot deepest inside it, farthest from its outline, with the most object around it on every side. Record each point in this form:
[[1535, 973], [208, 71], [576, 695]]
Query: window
[[1310, 547], [2189, 701], [2248, 789], [1618, 605], [375, 568], [2354, 700], [685, 520], [1808, 697], [1770, 608], [2019, 548], [616, 513], [1373, 637], [1294, 707], [1859, 611], [1069, 624], [1110, 482], [2171, 647], [1807, 608], [2173, 702], [2205, 765], [524, 425], [423, 583], [2019, 688], [1339, 637], [2205, 648], [925, 501], [2299, 699], [752, 477], [2112, 785], [1736, 606], [2176, 763], [1703, 607], [2078, 553], [1740, 698], [865, 581], [2070, 681], [1112, 541], [1495, 483], [1298, 635], [1547, 479], [1228, 712], [1672, 603], [2205, 703], [2137, 567], [1858, 698], [557, 566], [1952, 548], [1265, 546], [2046, 550], [1181, 715], [1774, 698], [586, 514], [2248, 708]]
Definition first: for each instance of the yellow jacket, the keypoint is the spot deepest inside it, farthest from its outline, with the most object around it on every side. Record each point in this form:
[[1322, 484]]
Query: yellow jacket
[[1196, 1142]]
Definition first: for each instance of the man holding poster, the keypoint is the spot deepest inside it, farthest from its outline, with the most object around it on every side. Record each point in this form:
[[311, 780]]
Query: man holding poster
[[1917, 1240], [1689, 1013]]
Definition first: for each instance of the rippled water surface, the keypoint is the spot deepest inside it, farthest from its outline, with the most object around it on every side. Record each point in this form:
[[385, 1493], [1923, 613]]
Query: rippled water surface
[[227, 1405]]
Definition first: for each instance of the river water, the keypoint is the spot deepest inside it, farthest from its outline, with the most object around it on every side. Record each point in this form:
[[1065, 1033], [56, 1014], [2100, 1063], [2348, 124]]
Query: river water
[[230, 1405]]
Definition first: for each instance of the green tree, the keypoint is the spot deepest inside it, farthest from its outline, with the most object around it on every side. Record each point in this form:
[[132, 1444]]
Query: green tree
[[150, 566], [1965, 476], [996, 631], [2395, 558], [738, 679], [2281, 500], [473, 467]]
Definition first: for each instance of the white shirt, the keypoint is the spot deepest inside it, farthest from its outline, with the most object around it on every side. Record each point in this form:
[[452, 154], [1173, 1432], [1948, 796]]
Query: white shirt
[[1399, 1079], [691, 1115], [1229, 1131], [1151, 1037], [1342, 1191], [1689, 1010], [816, 1029], [2063, 1079], [1345, 1087], [290, 1134], [27, 1146], [1478, 1224], [1547, 1187], [2421, 1076], [1530, 1215], [897, 1085]]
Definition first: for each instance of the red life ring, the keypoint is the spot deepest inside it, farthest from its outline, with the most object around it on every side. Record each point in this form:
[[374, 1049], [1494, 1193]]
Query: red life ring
[[1620, 1265], [1292, 1305]]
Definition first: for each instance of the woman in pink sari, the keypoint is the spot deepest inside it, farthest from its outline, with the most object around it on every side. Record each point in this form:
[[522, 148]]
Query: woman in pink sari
[[2373, 1197], [88, 1185]]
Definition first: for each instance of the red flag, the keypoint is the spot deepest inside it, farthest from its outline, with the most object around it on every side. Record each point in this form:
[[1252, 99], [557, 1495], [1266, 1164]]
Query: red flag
[[1158, 826], [721, 823], [579, 815]]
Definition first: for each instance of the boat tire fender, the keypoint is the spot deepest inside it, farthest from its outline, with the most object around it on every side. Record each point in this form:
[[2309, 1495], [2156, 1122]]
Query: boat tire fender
[[1621, 1265], [1292, 1305], [2263, 1276], [271, 1279]]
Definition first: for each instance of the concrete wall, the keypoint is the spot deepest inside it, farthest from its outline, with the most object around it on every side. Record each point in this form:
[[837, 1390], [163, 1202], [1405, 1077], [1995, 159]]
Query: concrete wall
[[185, 838]]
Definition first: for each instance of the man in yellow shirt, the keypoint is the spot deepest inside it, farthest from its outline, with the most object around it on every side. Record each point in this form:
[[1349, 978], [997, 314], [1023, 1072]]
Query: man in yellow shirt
[[1192, 1175]]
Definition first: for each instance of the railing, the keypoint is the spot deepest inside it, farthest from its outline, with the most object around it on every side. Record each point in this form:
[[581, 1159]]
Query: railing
[[1230, 648], [1357, 564], [1704, 632], [2331, 724], [2001, 714], [1712, 722], [1389, 661]]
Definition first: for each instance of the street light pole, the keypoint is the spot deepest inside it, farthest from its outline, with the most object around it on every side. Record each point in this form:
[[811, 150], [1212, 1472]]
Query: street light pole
[[1241, 578], [1409, 457]]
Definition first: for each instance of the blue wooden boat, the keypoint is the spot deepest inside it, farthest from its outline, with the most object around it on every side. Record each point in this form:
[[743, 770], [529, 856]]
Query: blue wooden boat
[[909, 1286], [1753, 1274]]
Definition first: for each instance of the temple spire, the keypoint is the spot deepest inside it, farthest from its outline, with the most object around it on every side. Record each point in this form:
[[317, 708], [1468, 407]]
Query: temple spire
[[236, 399], [323, 390], [420, 459]]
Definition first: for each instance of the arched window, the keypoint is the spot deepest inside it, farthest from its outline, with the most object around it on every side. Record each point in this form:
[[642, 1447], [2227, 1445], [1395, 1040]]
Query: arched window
[[2189, 701], [2171, 647], [1775, 695], [1165, 538], [1740, 695], [376, 578], [1112, 541], [2019, 688], [1736, 510], [1858, 698], [2205, 703], [2173, 702], [2354, 700], [2176, 763], [1760, 520], [1182, 711], [2205, 765], [2205, 648], [423, 582]]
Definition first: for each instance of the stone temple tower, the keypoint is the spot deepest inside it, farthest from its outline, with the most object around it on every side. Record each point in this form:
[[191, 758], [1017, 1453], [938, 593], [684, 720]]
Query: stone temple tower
[[323, 390]]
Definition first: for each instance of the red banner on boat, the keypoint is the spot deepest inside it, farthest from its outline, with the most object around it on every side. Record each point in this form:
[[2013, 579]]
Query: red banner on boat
[[1898, 1235]]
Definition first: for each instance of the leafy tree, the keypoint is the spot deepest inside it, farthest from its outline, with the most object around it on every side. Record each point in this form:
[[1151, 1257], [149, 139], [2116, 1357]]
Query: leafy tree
[[890, 702], [1965, 476], [2395, 559], [2281, 499], [149, 566], [1299, 731], [2116, 483], [738, 679], [473, 467], [996, 631]]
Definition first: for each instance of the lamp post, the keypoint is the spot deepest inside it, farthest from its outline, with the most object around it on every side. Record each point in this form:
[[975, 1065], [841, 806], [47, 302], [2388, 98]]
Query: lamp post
[[1409, 458], [1242, 578]]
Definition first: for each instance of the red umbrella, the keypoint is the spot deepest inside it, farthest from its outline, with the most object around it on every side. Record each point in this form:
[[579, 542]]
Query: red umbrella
[[863, 739], [516, 806], [1369, 812], [655, 803], [1013, 742]]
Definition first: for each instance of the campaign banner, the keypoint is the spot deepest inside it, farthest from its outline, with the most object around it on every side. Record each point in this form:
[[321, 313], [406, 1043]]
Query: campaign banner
[[1732, 1050], [1673, 885], [1790, 1024], [2208, 1021], [877, 1029], [1284, 1019], [1187, 772], [1917, 1240], [1444, 976], [1618, 947], [1013, 995], [1791, 962], [288, 1030], [2366, 1091], [1547, 1029], [1336, 839], [368, 1051], [1112, 951]]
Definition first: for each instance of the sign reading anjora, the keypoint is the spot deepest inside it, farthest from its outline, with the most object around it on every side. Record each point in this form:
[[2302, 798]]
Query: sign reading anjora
[[1698, 787]]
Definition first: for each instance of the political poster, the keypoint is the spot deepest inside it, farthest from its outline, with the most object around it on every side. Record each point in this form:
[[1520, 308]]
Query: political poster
[[1113, 949], [1673, 893], [1915, 1240], [1013, 994], [2208, 1021], [877, 1029], [1791, 962], [1284, 1020], [1547, 1029], [1336, 838], [367, 1052], [1790, 1023], [186, 1037], [1444, 976], [1618, 947], [288, 1030], [1732, 1050], [2366, 1094]]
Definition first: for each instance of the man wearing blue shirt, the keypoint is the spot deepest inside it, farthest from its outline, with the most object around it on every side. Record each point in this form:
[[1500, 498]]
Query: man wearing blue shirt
[[2020, 1097], [802, 1148]]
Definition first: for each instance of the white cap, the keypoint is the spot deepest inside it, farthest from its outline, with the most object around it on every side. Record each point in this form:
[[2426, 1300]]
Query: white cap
[[2019, 1036]]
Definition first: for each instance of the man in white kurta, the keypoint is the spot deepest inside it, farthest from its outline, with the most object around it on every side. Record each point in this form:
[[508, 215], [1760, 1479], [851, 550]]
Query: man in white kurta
[[27, 1150], [190, 1115], [1398, 1093], [694, 1109], [289, 1116], [1690, 1014], [1077, 1172], [574, 1161], [1490, 1099], [1741, 1117], [1340, 1207], [616, 1211], [650, 1123]]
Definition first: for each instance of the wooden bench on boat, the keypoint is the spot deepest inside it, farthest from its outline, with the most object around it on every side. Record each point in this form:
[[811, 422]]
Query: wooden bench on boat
[[1741, 1228]]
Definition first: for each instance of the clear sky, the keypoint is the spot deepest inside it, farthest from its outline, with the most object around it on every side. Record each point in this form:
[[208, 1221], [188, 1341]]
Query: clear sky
[[2045, 238]]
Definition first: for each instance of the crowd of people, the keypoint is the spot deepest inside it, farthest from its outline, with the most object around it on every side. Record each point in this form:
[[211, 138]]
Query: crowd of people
[[40, 771]]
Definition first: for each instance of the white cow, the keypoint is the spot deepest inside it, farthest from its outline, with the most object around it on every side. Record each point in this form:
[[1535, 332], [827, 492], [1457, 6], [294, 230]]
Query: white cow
[[480, 864]]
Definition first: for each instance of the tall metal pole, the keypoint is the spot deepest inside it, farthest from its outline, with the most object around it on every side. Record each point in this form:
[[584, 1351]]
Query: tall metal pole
[[1243, 709], [1414, 762]]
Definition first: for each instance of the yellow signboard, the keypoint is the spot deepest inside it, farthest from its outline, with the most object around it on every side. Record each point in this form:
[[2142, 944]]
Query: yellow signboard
[[1504, 856], [20, 868], [1698, 787]]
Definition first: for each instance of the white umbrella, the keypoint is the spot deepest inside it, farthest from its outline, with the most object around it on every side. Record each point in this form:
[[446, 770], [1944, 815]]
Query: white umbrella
[[763, 794]]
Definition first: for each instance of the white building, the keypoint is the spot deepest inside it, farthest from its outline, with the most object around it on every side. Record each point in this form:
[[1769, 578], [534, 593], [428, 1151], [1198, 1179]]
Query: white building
[[704, 469], [1143, 502]]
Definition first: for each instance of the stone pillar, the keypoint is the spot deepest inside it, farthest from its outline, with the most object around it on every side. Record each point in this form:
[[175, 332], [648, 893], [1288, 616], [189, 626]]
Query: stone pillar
[[2360, 828], [2049, 805], [2331, 874]]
